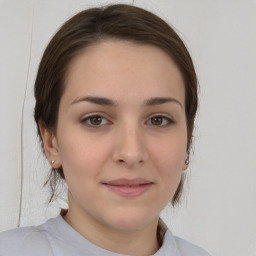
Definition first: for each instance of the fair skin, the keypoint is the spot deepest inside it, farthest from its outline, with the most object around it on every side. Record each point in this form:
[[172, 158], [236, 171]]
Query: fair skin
[[121, 116]]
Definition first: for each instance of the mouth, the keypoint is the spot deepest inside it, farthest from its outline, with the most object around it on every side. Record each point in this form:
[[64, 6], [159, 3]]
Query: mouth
[[129, 187]]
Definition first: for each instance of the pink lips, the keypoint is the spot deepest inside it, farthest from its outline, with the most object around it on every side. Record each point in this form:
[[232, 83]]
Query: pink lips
[[129, 188]]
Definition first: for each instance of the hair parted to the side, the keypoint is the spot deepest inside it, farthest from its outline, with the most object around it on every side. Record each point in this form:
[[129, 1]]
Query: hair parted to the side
[[115, 22]]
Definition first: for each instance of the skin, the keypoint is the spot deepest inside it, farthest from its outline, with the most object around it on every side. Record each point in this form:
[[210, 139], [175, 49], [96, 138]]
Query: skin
[[124, 142]]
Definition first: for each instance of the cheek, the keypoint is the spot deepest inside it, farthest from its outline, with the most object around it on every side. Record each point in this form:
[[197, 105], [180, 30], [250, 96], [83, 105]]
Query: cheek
[[169, 155], [168, 159], [82, 156]]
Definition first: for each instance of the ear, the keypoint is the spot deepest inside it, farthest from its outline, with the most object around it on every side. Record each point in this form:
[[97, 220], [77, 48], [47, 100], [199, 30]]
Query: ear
[[50, 146], [186, 162]]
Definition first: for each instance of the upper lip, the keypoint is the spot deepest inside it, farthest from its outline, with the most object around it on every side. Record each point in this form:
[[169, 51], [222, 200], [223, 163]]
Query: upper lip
[[128, 182]]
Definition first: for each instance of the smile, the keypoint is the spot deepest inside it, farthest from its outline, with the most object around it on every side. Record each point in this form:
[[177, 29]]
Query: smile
[[129, 188]]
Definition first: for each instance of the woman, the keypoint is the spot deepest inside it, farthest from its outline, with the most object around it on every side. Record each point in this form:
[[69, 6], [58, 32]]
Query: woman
[[116, 98]]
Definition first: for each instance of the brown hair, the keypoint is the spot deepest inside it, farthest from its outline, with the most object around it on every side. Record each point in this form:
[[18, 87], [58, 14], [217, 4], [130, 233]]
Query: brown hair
[[122, 22]]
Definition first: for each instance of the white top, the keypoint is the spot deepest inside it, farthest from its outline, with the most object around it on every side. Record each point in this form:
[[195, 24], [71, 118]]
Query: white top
[[57, 238]]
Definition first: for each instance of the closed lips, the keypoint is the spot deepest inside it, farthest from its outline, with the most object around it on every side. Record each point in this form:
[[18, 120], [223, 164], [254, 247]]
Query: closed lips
[[129, 188], [128, 183]]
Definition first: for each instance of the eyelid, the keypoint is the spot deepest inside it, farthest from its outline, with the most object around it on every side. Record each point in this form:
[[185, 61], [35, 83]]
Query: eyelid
[[164, 116], [95, 114]]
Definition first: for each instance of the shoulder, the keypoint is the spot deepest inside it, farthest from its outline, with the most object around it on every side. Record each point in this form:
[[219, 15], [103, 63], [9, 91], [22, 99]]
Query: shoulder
[[173, 245], [188, 249], [25, 241]]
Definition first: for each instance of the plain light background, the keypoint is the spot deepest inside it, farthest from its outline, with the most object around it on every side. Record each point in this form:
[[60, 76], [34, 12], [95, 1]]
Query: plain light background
[[218, 209]]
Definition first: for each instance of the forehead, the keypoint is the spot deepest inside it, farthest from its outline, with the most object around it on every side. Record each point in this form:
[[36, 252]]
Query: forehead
[[122, 68]]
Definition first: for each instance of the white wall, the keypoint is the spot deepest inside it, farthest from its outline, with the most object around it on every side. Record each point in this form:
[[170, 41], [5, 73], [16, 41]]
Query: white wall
[[218, 211]]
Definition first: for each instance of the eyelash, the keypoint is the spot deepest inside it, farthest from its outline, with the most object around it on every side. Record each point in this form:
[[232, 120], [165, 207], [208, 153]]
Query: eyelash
[[89, 119], [167, 121]]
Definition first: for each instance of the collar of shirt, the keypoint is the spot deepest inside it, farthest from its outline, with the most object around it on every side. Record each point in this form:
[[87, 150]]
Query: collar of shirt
[[61, 230]]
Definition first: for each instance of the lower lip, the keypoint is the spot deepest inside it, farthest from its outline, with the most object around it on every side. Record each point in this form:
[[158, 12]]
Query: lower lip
[[129, 191]]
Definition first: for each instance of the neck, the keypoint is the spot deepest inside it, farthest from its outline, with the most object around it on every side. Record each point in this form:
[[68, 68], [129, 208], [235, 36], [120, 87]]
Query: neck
[[137, 242]]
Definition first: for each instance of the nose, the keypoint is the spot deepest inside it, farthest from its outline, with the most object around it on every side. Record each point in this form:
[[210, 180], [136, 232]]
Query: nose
[[130, 147]]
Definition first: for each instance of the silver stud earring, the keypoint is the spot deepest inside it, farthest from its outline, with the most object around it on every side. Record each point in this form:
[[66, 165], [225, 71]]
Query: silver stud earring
[[53, 161], [187, 161]]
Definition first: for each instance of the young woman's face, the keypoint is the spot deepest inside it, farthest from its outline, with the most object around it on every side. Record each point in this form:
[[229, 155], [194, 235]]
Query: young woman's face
[[121, 133]]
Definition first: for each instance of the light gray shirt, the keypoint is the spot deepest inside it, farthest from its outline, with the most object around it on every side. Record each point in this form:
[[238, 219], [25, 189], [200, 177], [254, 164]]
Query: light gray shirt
[[57, 238]]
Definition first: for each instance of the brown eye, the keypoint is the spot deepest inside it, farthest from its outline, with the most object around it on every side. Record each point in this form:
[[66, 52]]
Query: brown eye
[[161, 121], [157, 120], [94, 121]]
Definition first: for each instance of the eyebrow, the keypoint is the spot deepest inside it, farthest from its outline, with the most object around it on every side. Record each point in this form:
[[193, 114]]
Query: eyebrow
[[108, 102], [161, 100], [96, 100]]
